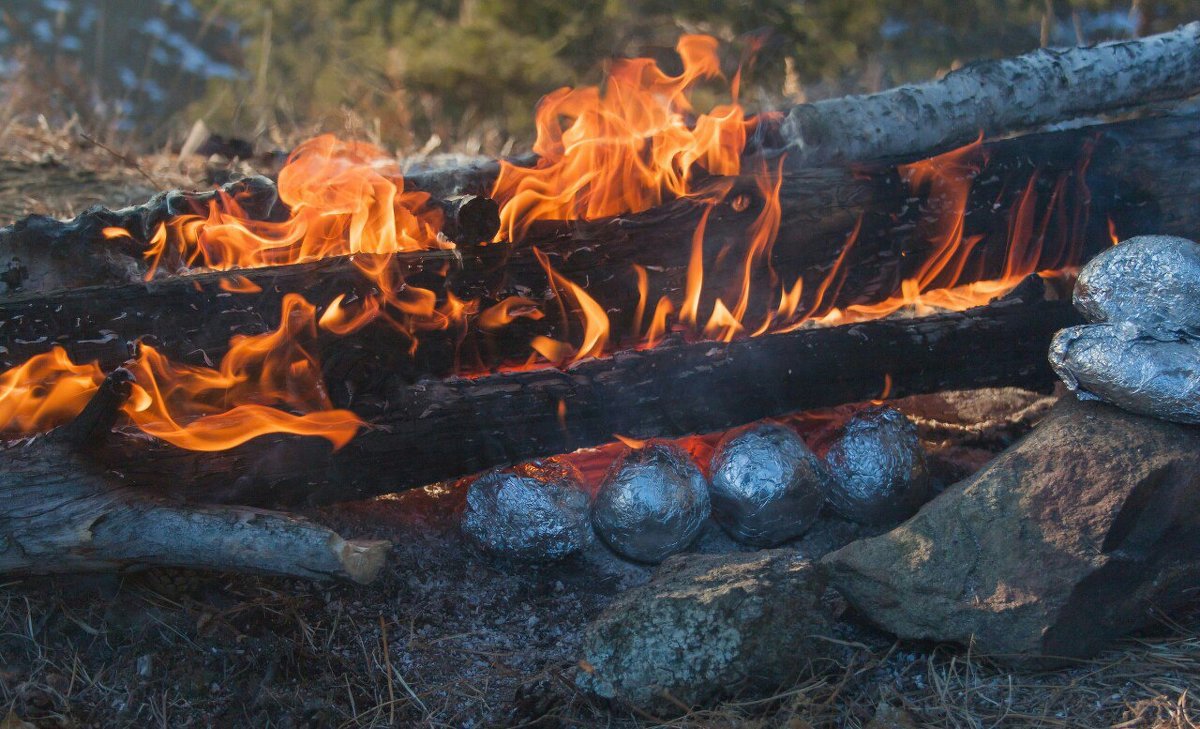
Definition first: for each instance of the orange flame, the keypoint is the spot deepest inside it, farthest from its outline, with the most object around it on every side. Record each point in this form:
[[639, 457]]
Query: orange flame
[[595, 321], [46, 391], [887, 389], [239, 285], [504, 313], [197, 408], [626, 148], [344, 198]]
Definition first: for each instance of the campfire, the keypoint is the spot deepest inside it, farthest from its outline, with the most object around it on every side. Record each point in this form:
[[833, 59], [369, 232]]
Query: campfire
[[657, 277], [643, 232]]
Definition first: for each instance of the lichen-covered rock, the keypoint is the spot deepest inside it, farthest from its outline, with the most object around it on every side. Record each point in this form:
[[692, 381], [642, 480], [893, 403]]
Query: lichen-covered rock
[[1062, 543], [709, 626], [531, 512], [1121, 364], [1152, 281], [877, 468], [767, 486], [652, 503]]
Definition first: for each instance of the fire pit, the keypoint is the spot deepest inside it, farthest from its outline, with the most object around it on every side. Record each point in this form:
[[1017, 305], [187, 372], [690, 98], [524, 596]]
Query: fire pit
[[801, 293]]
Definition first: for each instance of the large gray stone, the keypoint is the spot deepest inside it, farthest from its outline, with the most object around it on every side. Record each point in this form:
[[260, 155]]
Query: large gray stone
[[1062, 543], [707, 627]]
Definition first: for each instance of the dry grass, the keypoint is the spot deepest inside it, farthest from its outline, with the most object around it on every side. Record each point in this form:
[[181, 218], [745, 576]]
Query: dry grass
[[60, 171], [246, 652]]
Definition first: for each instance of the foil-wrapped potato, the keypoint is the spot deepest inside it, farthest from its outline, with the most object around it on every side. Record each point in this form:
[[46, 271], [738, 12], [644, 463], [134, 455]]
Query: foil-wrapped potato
[[877, 468], [767, 486], [652, 503], [1152, 281], [1125, 366], [531, 512]]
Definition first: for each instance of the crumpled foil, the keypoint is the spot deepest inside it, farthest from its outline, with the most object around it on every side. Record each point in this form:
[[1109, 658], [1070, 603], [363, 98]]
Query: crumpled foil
[[767, 486], [877, 468], [1151, 280], [531, 512], [652, 503], [1132, 369]]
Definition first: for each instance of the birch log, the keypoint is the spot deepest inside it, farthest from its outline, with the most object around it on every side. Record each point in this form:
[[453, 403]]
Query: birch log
[[60, 511], [996, 97]]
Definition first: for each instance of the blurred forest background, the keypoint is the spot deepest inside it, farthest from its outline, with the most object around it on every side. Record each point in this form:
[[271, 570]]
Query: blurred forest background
[[466, 74]]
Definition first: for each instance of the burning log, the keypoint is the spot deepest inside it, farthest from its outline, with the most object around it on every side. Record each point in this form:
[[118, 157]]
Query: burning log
[[910, 122], [60, 511], [1136, 179], [433, 430], [918, 120], [996, 97], [45, 254]]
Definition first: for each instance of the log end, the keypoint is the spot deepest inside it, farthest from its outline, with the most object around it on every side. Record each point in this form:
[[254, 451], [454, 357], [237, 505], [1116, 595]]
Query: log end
[[361, 559]]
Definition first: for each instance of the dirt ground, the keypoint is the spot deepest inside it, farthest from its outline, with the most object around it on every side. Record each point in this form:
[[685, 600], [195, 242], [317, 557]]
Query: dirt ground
[[447, 638]]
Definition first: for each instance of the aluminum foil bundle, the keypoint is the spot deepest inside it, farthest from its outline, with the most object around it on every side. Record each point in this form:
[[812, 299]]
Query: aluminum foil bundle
[[767, 486], [531, 512], [1122, 364], [877, 468], [1152, 281], [652, 503]]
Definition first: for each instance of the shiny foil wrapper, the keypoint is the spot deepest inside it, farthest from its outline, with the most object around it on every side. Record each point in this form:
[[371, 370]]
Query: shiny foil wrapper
[[767, 486], [877, 468], [1122, 364], [1151, 280], [531, 512], [652, 503]]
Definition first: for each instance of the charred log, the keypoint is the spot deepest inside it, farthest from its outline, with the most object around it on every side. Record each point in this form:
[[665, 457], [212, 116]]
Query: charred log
[[61, 511], [913, 121], [42, 254], [1135, 174], [438, 429]]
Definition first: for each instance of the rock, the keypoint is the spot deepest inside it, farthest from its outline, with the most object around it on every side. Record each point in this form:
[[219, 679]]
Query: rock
[[1122, 365], [877, 468], [531, 512], [652, 503], [1062, 543], [767, 486], [1152, 281], [707, 627]]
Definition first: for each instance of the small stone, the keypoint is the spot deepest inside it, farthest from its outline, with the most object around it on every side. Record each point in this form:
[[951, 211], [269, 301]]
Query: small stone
[[531, 512], [145, 666], [877, 468], [767, 486], [652, 503]]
